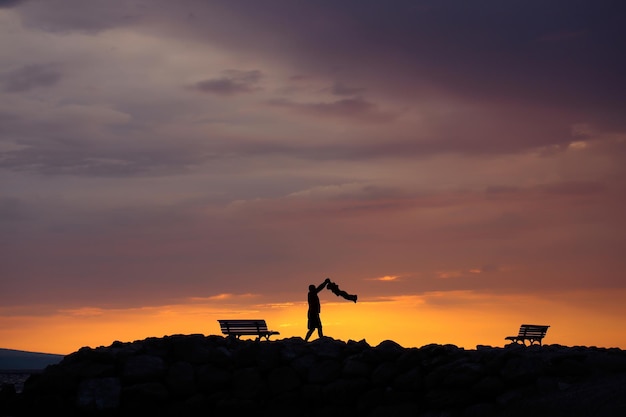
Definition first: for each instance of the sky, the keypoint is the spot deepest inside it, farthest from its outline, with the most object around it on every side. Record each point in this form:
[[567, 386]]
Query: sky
[[461, 166]]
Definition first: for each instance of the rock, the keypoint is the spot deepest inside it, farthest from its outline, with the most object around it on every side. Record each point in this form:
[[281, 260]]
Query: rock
[[190, 375], [355, 368], [99, 394], [283, 379], [8, 399], [324, 371], [181, 380], [143, 368]]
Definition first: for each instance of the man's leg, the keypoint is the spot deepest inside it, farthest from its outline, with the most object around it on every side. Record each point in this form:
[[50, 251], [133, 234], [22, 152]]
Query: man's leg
[[308, 334]]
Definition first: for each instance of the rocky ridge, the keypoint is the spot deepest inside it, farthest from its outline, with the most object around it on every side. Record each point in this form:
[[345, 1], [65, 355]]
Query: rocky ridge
[[197, 375]]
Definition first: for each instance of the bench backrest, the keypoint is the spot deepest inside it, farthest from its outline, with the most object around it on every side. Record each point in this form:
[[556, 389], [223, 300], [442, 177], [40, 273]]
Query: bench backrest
[[243, 326], [532, 330]]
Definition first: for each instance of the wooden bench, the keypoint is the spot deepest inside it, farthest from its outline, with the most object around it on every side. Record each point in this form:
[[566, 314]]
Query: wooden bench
[[239, 327], [531, 332]]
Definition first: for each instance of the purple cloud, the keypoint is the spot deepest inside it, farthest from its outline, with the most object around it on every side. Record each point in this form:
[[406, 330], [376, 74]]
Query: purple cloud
[[10, 3], [232, 82], [29, 77], [351, 108]]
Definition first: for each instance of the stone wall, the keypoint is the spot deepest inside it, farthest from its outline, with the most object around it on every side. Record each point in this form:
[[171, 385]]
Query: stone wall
[[197, 375]]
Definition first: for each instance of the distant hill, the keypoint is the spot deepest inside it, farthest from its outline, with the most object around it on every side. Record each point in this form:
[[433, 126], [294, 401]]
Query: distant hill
[[15, 360]]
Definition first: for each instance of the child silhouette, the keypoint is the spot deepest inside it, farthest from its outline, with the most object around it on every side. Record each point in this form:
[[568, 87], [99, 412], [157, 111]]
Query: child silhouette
[[340, 293]]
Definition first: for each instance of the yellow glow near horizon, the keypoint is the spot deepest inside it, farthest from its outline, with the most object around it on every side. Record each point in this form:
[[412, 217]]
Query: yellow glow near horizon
[[465, 319]]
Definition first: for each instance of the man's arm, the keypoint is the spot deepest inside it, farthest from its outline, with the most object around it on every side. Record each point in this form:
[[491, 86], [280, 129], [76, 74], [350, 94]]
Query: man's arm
[[322, 285]]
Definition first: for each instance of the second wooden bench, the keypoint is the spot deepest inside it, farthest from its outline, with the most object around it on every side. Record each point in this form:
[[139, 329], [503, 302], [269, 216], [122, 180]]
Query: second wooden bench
[[531, 332]]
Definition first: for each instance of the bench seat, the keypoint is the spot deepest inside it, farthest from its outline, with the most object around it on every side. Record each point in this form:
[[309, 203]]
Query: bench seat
[[534, 333], [246, 327]]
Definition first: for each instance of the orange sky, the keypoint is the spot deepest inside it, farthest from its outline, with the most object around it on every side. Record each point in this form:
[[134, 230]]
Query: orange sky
[[461, 166], [465, 319]]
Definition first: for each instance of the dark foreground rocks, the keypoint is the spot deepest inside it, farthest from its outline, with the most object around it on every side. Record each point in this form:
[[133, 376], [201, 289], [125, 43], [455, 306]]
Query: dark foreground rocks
[[197, 375]]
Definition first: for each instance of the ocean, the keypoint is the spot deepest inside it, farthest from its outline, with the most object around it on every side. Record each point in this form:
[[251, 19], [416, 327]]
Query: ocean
[[17, 365]]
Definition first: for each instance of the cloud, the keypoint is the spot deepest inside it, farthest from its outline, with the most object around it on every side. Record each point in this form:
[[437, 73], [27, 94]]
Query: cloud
[[572, 188], [495, 190], [67, 159], [340, 89], [224, 297], [83, 312], [232, 82], [11, 210], [484, 56], [386, 278], [83, 140], [29, 77], [76, 15], [349, 108], [562, 36], [10, 3], [508, 148], [480, 50], [349, 192], [555, 189], [561, 189]]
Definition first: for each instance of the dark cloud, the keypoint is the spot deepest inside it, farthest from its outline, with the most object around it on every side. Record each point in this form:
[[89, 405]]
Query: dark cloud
[[29, 77], [232, 82], [6, 119], [10, 210], [77, 15], [573, 188], [65, 159], [559, 53], [10, 3], [340, 89], [354, 108], [549, 54], [501, 190], [563, 189]]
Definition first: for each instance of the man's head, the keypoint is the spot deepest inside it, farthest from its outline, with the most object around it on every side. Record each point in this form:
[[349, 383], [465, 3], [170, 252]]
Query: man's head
[[311, 287]]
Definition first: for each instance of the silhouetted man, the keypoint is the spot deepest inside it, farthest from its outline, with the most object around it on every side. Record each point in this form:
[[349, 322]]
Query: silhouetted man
[[313, 315], [340, 293]]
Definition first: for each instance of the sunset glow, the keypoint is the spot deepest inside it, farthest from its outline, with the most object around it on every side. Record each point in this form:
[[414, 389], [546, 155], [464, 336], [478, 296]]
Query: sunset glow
[[465, 319], [461, 167]]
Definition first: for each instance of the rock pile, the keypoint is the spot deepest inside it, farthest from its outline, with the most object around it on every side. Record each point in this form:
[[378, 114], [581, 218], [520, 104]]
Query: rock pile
[[197, 375]]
